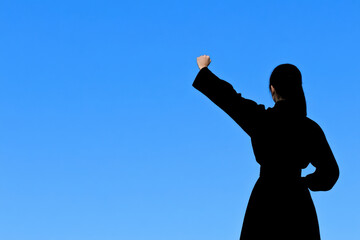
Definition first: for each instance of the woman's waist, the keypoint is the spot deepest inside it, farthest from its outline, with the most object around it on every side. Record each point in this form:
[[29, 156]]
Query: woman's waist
[[280, 173]]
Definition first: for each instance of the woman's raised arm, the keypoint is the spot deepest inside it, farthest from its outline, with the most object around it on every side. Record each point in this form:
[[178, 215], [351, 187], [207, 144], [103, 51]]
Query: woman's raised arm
[[246, 113]]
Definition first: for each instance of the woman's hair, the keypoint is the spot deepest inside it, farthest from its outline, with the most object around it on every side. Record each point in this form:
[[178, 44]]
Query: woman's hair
[[286, 79]]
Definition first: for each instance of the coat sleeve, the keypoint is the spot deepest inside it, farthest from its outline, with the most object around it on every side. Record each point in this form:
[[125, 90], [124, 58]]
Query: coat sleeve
[[246, 113], [326, 168]]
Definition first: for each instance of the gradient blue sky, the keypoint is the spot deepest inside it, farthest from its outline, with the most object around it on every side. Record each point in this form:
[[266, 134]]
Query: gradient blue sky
[[102, 135]]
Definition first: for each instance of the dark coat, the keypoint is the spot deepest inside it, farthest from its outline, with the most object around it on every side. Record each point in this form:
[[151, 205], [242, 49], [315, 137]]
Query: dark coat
[[284, 142]]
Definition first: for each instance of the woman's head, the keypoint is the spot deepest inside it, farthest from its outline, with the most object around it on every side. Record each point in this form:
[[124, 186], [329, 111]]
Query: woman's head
[[287, 84]]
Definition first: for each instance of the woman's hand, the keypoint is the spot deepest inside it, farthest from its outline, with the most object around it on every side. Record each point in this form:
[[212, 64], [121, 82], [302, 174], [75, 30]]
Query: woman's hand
[[203, 61]]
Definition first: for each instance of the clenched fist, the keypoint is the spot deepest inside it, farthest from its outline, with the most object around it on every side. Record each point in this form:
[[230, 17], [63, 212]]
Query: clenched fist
[[203, 61]]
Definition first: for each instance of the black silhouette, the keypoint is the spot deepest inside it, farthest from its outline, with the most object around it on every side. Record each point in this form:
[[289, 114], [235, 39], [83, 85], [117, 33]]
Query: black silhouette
[[284, 141]]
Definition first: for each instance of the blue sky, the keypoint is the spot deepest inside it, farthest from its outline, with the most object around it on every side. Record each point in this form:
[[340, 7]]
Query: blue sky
[[104, 137]]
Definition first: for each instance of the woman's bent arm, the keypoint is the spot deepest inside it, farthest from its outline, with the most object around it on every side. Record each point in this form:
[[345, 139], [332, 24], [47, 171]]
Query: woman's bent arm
[[327, 170]]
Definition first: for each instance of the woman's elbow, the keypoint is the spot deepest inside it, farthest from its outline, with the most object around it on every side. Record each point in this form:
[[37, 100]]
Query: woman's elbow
[[332, 180]]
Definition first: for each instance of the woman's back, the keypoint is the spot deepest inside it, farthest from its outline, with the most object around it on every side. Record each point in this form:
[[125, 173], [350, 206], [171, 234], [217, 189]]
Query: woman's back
[[284, 139]]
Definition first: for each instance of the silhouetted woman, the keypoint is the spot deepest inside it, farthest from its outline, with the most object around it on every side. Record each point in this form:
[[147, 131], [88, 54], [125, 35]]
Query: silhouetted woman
[[284, 141]]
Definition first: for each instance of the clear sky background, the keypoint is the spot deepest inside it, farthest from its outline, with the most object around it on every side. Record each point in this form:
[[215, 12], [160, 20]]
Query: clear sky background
[[102, 135]]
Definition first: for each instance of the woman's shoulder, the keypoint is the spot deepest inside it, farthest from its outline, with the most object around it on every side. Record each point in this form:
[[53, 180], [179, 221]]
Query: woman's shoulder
[[311, 122], [313, 126]]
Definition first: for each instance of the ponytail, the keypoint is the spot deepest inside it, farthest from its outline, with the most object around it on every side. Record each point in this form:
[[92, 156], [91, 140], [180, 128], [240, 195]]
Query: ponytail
[[287, 81]]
